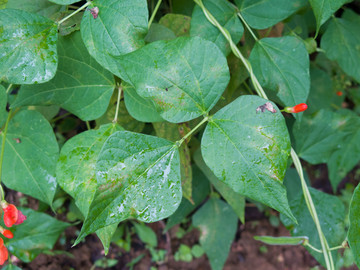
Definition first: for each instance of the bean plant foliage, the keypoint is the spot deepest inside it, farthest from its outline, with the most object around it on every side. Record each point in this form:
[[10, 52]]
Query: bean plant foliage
[[153, 110]]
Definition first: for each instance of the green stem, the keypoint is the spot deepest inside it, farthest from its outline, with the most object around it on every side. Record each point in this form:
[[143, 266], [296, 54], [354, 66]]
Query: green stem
[[260, 91], [75, 12], [87, 125], [59, 117], [117, 104], [154, 13], [336, 248], [248, 88], [192, 131], [247, 26], [9, 88], [310, 204], [313, 248], [3, 147]]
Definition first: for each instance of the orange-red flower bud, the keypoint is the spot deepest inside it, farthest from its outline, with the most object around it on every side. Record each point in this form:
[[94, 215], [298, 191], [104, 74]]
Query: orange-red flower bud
[[7, 234], [10, 215], [1, 242], [296, 109], [4, 255], [339, 93]]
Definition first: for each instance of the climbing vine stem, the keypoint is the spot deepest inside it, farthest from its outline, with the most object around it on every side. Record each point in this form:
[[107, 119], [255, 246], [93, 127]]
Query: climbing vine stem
[[260, 91]]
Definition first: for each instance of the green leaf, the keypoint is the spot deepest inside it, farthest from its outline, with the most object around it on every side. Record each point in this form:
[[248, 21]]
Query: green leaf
[[321, 91], [171, 132], [146, 234], [3, 3], [141, 109], [37, 234], [159, 32], [138, 177], [28, 45], [347, 155], [225, 13], [323, 9], [340, 42], [235, 200], [40, 7], [80, 86], [64, 2], [261, 14], [217, 223], [49, 112], [124, 118], [201, 188], [120, 28], [11, 267], [179, 78], [283, 240], [316, 138], [293, 184], [69, 26], [75, 171], [271, 59], [354, 229], [248, 149], [179, 24], [3, 102], [30, 156], [331, 213]]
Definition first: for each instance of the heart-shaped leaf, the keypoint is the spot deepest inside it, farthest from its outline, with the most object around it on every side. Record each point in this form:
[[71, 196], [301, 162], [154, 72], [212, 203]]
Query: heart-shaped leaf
[[28, 47], [119, 28], [37, 234], [178, 76], [271, 59], [141, 109], [217, 223], [261, 14], [354, 229], [41, 7], [138, 177], [247, 148], [31, 153], [80, 86], [340, 42], [225, 13], [323, 9], [75, 171]]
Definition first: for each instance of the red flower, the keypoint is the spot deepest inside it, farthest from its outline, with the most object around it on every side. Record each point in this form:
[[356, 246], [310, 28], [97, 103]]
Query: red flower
[[21, 218], [4, 255], [339, 93], [3, 252], [7, 233], [296, 109], [12, 215]]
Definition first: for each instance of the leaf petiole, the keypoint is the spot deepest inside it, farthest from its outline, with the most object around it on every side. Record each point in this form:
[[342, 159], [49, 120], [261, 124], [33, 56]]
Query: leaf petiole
[[179, 142], [75, 12], [117, 104], [154, 13]]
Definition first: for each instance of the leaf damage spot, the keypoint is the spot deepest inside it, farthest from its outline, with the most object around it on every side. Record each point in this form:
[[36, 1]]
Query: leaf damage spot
[[94, 12], [267, 106]]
